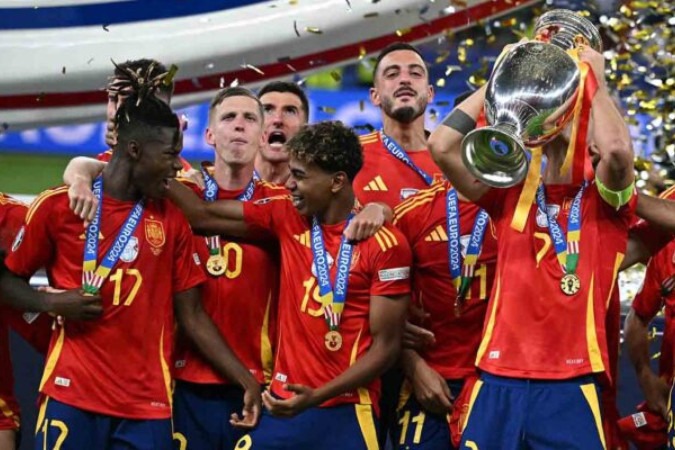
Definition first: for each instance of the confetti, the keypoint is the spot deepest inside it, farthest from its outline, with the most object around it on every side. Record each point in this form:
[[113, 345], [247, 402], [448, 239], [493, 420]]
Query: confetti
[[327, 109], [370, 15], [170, 75], [362, 105], [63, 70], [335, 75], [295, 28], [442, 57], [253, 68], [105, 27], [362, 52], [403, 31], [440, 82], [313, 30]]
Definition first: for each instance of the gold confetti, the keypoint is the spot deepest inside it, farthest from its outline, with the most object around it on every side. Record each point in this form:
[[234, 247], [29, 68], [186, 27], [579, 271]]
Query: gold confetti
[[327, 109], [459, 3], [170, 75], [461, 54], [403, 31], [440, 82], [362, 52], [335, 75], [442, 57], [313, 30]]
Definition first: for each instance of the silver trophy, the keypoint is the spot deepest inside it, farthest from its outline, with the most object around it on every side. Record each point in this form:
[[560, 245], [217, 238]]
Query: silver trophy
[[530, 98]]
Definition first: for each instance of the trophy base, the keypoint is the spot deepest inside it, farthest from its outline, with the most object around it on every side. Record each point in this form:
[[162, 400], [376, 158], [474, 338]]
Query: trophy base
[[495, 156]]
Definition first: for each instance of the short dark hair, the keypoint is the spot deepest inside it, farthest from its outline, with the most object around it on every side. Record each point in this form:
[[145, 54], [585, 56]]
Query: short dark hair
[[139, 118], [236, 91], [396, 46], [330, 145], [150, 69], [287, 86]]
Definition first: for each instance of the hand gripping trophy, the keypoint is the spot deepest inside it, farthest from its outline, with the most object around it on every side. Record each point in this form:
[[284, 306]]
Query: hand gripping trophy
[[532, 94]]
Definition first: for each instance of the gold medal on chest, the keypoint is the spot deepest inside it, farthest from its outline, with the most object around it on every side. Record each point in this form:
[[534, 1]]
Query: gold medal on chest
[[215, 265], [333, 341], [570, 284]]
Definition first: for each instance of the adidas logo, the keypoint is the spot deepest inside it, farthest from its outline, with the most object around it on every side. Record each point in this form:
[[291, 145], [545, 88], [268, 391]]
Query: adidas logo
[[376, 184], [303, 238], [437, 235]]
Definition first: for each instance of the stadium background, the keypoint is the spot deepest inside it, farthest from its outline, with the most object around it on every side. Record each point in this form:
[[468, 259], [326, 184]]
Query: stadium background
[[33, 160]]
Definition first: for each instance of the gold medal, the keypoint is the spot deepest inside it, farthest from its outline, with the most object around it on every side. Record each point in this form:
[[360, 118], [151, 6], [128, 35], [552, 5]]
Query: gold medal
[[570, 284], [333, 341], [216, 265]]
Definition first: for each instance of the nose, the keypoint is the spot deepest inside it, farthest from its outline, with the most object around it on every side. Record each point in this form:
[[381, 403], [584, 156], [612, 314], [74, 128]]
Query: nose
[[291, 184]]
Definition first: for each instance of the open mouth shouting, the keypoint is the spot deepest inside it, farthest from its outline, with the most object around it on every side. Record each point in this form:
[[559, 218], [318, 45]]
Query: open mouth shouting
[[276, 139]]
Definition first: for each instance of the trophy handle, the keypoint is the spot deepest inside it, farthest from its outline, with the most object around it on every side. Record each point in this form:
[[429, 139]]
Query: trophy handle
[[495, 155]]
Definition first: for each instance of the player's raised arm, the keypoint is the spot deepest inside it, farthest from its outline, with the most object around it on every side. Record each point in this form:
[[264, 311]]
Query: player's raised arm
[[209, 218], [658, 211], [445, 145], [200, 329], [79, 176], [609, 137]]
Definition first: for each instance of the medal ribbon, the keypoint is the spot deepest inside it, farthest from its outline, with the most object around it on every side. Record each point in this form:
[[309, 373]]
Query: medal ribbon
[[566, 249], [211, 195], [397, 152], [334, 294], [92, 276], [462, 272]]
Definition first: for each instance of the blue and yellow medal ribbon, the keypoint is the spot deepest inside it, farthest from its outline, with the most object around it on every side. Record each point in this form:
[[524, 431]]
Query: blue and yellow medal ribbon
[[93, 277], [462, 272], [566, 248], [333, 295], [397, 152]]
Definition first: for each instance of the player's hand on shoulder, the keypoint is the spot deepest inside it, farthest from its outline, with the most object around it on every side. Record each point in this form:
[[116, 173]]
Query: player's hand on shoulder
[[430, 389], [252, 407], [195, 176], [303, 399], [72, 304], [367, 222], [82, 200]]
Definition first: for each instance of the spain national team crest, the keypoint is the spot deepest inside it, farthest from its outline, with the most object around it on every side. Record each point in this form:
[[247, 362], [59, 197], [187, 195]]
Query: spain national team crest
[[154, 234]]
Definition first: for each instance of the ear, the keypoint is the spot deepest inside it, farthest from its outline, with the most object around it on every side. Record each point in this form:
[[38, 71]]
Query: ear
[[210, 138], [340, 180], [431, 93], [375, 97], [134, 150]]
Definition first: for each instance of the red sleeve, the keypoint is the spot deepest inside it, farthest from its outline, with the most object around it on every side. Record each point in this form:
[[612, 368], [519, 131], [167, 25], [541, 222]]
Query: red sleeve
[[649, 301], [33, 246], [188, 267], [12, 216], [105, 156], [391, 259], [267, 213]]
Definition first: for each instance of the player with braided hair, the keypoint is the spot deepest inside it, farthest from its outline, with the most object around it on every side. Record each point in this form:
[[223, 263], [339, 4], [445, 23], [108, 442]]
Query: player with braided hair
[[107, 383]]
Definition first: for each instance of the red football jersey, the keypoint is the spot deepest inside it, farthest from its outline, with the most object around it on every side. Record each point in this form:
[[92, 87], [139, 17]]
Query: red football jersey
[[533, 329], [657, 292], [385, 179], [654, 237], [106, 155], [242, 302], [118, 365], [380, 266], [12, 214], [422, 220]]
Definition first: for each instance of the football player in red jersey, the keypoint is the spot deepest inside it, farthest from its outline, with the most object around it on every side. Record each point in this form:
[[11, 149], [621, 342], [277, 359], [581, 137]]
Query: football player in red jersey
[[396, 163], [342, 304], [286, 111], [108, 384], [544, 338], [241, 292], [454, 255]]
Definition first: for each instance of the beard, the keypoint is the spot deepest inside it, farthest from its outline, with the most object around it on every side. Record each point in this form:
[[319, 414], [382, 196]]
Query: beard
[[404, 114]]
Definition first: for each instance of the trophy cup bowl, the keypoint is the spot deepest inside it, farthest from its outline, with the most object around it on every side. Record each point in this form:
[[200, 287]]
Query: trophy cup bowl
[[529, 99]]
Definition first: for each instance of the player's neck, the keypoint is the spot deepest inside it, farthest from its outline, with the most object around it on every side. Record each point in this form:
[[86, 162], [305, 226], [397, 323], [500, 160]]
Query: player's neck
[[117, 181], [410, 136], [232, 177], [277, 173], [339, 209], [555, 155]]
